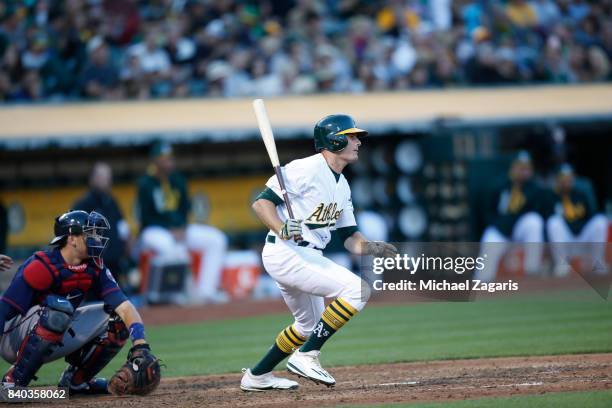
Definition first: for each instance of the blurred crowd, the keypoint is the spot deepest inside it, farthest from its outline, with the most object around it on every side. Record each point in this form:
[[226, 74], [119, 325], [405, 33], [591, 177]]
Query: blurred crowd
[[129, 49]]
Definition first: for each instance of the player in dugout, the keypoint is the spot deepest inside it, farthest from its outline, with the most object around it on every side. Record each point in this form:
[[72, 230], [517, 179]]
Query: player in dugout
[[100, 198], [43, 316], [514, 215], [164, 205], [575, 226]]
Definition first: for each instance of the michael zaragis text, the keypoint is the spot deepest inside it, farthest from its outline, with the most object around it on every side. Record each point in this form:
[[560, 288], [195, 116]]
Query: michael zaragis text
[[444, 285]]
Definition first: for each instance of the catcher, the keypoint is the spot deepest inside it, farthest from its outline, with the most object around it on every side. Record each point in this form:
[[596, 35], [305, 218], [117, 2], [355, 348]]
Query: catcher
[[43, 318]]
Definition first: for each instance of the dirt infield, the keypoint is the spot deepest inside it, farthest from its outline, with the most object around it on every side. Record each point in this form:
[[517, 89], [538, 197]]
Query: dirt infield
[[383, 383], [389, 383]]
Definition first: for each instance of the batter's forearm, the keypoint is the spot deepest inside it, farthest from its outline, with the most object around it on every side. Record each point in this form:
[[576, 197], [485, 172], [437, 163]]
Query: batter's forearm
[[354, 243], [266, 212]]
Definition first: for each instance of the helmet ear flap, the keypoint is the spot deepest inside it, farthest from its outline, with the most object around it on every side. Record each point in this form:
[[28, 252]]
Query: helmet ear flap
[[339, 142], [74, 230]]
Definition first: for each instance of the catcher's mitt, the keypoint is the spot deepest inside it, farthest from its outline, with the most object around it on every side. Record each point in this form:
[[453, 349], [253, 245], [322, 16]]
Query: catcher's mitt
[[139, 375]]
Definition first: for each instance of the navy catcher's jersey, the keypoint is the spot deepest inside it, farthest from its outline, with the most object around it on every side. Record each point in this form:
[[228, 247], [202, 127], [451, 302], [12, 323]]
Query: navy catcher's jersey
[[46, 273]]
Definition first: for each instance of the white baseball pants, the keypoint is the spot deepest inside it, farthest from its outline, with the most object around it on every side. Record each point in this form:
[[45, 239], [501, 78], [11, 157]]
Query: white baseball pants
[[305, 278]]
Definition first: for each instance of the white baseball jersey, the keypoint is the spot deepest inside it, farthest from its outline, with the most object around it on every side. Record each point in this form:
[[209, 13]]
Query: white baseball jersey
[[317, 197]]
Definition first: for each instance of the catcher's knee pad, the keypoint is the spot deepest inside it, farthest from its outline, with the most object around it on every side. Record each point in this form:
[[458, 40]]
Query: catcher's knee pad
[[56, 314], [43, 339], [90, 359]]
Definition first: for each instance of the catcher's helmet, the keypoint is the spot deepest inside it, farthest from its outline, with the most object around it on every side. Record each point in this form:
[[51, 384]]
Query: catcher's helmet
[[330, 132], [70, 223], [93, 225]]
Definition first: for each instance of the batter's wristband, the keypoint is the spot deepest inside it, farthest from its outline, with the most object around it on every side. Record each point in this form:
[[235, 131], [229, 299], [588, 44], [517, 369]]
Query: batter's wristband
[[137, 331], [280, 231]]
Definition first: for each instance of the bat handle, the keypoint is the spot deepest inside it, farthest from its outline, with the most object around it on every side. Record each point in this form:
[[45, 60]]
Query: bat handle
[[281, 183]]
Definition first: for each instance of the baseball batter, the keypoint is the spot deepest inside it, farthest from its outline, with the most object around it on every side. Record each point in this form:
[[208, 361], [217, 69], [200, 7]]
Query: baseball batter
[[321, 201]]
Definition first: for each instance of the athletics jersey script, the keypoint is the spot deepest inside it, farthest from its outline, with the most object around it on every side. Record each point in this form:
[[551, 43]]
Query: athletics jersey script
[[317, 197]]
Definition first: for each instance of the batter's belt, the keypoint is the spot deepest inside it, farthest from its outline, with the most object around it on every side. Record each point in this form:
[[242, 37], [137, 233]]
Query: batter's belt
[[272, 240]]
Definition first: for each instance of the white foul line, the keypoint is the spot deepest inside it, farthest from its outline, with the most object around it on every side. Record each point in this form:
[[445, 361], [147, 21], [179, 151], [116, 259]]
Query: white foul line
[[529, 384], [398, 383]]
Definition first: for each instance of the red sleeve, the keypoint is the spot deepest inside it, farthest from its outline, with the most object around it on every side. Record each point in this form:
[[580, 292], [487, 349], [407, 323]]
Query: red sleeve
[[37, 276]]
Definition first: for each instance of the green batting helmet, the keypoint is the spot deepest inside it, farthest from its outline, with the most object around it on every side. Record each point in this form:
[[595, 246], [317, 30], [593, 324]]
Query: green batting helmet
[[330, 132]]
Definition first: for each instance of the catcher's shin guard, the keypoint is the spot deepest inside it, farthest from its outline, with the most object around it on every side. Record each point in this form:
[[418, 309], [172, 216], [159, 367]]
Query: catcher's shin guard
[[45, 336], [90, 359]]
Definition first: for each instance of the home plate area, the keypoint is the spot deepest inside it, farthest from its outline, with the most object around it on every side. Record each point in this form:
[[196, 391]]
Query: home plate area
[[390, 383]]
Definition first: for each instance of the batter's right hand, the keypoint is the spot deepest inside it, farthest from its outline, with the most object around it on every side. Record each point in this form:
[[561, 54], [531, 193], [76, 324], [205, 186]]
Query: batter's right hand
[[380, 249], [291, 228]]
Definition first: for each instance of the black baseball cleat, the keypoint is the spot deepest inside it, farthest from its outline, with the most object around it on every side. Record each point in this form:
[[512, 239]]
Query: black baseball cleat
[[96, 386]]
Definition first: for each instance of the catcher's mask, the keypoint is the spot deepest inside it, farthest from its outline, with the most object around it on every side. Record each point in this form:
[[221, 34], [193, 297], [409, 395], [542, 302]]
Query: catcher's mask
[[94, 226]]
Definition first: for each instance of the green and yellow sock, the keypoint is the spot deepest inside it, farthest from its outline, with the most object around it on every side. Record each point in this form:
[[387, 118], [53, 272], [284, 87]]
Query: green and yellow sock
[[287, 341], [336, 315]]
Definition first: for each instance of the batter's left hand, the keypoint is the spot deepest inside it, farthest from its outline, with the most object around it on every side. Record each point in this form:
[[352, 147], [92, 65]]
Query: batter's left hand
[[5, 263], [380, 249], [291, 228]]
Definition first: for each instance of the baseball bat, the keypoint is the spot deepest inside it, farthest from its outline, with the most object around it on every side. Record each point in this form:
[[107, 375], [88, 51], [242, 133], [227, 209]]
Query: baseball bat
[[265, 128]]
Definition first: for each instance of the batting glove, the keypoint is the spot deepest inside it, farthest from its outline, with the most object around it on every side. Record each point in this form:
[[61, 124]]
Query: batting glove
[[291, 228], [380, 249]]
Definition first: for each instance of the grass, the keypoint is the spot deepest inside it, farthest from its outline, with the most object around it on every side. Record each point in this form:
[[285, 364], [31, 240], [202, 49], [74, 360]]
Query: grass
[[528, 325], [595, 399]]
